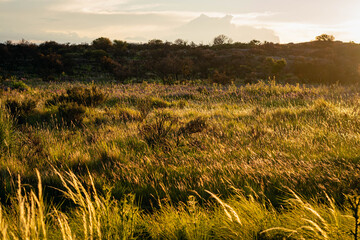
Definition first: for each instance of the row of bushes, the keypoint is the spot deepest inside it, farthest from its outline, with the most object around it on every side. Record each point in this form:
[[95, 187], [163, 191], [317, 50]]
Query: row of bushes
[[313, 62]]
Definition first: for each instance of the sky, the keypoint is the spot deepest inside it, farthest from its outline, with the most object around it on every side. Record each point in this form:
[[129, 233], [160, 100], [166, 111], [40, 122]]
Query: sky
[[77, 21]]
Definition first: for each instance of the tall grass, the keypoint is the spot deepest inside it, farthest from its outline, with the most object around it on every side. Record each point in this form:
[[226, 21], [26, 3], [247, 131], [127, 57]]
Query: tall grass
[[141, 166], [6, 130], [99, 216], [102, 217]]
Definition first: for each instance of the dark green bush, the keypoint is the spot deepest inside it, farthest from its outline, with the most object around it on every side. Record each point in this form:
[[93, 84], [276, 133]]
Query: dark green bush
[[221, 78], [15, 84], [19, 85], [82, 96], [158, 131], [194, 126], [72, 114], [19, 110], [16, 107]]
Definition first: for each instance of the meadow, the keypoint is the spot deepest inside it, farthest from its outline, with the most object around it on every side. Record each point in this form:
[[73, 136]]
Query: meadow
[[183, 161]]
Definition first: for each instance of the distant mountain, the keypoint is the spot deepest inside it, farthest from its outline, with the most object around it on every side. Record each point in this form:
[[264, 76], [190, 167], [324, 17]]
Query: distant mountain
[[205, 28]]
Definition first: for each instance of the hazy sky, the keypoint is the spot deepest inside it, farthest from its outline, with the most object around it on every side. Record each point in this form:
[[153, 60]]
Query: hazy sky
[[197, 20]]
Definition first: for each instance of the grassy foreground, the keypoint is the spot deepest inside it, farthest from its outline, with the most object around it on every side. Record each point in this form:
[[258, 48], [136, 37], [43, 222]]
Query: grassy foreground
[[149, 161]]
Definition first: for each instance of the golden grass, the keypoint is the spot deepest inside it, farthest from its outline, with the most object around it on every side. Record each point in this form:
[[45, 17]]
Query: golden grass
[[258, 142]]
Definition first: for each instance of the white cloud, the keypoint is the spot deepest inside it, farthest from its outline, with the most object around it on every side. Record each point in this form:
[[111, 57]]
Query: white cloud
[[205, 28], [89, 6], [140, 19]]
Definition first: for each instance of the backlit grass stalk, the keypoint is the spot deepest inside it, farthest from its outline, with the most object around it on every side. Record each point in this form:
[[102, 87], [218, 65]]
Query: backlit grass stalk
[[101, 217], [89, 208], [312, 224], [65, 229], [3, 225], [31, 223], [354, 201]]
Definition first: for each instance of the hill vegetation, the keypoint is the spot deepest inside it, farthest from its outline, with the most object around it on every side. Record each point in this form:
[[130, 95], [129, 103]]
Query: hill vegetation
[[323, 61]]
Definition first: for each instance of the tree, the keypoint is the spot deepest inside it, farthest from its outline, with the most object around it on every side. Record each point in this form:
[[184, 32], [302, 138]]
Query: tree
[[155, 42], [120, 46], [102, 43], [325, 38], [180, 42], [275, 66], [222, 39], [254, 42]]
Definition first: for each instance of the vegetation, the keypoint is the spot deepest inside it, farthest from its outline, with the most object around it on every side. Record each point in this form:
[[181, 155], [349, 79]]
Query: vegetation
[[187, 161], [164, 140], [323, 61], [325, 38]]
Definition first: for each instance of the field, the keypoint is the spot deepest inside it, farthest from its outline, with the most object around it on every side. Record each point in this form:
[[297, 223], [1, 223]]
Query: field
[[183, 161]]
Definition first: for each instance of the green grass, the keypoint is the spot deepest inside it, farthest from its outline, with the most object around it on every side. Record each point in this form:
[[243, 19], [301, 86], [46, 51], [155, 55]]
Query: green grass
[[154, 161]]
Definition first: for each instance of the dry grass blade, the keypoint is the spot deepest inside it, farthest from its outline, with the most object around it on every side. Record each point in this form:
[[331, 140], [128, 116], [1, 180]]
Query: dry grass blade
[[317, 227], [64, 225], [90, 213], [3, 225], [227, 209], [279, 229], [31, 217]]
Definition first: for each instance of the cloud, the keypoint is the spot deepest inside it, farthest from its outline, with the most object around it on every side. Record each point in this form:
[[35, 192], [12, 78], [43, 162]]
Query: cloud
[[137, 26], [205, 28], [168, 20], [41, 36], [89, 6], [104, 7]]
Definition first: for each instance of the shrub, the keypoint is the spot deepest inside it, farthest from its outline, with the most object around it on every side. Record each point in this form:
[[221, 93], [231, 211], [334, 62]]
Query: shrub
[[71, 113], [102, 43], [15, 84], [275, 66], [20, 85], [19, 110], [57, 99], [16, 107], [158, 131], [221, 78], [194, 126], [86, 96], [82, 96], [325, 38]]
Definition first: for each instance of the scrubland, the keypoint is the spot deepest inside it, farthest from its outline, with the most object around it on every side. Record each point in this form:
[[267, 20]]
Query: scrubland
[[185, 161]]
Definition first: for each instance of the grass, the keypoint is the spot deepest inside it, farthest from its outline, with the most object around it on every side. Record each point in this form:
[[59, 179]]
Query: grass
[[99, 216], [150, 161]]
